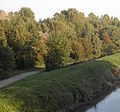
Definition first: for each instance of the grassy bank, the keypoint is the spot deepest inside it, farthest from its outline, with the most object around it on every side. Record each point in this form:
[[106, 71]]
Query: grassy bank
[[61, 90]]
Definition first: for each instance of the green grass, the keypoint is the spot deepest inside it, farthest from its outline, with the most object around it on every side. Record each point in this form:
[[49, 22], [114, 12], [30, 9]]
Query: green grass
[[114, 59], [58, 90]]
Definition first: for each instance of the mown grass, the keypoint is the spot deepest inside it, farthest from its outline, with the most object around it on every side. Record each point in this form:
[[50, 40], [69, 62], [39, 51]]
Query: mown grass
[[60, 90], [114, 59]]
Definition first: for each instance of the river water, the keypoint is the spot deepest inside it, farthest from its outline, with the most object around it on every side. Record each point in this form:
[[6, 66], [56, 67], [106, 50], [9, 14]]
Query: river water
[[110, 103]]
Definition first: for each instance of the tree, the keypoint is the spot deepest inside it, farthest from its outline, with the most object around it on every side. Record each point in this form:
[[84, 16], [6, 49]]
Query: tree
[[106, 38], [77, 53], [58, 53], [26, 13], [97, 46], [68, 37], [23, 35], [40, 49], [107, 49], [7, 60], [88, 48]]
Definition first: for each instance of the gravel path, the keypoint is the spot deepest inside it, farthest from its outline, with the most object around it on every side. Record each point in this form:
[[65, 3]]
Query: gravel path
[[6, 82]]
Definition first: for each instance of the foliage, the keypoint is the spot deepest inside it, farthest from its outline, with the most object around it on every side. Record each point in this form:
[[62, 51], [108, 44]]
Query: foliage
[[88, 48], [79, 38], [97, 46], [77, 53], [58, 54], [7, 59]]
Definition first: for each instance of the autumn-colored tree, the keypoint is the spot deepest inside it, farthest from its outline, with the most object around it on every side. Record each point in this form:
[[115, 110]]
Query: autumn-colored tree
[[88, 48], [106, 38]]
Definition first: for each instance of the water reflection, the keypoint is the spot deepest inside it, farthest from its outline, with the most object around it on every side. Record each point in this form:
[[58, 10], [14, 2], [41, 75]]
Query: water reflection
[[111, 103]]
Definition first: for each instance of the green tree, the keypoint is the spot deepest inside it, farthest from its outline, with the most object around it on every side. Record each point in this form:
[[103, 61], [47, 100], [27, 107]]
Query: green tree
[[77, 53], [97, 46], [7, 60], [23, 34], [58, 53]]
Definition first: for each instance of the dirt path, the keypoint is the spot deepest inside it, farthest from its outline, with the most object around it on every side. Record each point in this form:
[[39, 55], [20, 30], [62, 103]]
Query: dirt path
[[6, 82]]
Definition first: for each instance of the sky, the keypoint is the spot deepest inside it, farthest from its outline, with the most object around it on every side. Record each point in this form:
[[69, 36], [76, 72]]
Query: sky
[[47, 8]]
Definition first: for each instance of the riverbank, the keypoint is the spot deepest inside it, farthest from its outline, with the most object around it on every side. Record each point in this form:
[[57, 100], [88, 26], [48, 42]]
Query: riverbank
[[81, 107], [101, 96], [62, 90], [110, 103]]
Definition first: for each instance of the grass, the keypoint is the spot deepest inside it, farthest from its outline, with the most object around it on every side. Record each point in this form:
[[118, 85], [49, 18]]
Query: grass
[[114, 59], [60, 90]]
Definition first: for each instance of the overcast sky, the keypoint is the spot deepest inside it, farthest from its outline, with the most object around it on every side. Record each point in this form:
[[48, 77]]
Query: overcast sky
[[47, 8]]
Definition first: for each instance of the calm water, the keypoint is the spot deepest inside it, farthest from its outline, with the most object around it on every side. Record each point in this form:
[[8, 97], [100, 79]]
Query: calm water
[[111, 103]]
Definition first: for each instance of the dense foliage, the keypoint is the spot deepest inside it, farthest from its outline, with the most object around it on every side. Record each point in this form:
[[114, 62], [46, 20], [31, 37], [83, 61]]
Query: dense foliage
[[68, 37], [88, 37]]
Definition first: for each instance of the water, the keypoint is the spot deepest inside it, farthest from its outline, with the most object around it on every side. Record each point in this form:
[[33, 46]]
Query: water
[[111, 103]]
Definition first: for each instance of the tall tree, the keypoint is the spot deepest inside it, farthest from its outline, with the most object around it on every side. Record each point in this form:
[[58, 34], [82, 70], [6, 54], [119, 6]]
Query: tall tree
[[58, 53], [7, 60]]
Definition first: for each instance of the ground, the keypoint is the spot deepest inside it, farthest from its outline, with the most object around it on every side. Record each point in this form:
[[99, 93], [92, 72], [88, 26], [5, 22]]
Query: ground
[[63, 89]]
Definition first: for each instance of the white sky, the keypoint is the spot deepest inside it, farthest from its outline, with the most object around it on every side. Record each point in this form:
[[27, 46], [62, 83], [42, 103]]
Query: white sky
[[47, 8]]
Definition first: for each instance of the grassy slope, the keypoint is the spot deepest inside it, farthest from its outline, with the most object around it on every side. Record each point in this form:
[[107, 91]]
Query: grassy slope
[[58, 90], [114, 59]]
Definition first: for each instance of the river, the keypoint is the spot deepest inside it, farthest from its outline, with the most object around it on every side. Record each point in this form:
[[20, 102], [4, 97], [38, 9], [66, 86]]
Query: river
[[110, 103]]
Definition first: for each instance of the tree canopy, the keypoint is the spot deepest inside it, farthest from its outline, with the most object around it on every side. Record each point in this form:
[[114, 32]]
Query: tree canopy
[[68, 37]]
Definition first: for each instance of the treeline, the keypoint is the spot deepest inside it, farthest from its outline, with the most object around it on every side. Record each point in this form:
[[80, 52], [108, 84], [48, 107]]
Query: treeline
[[69, 37]]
